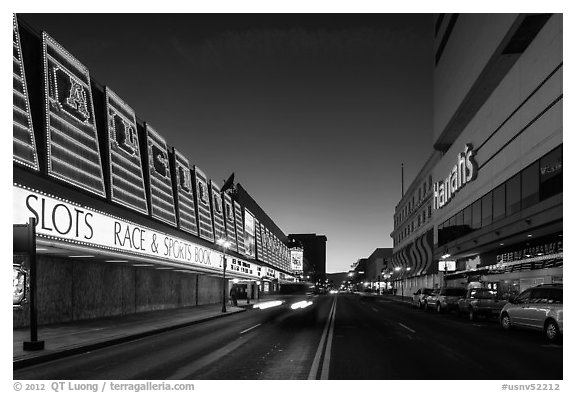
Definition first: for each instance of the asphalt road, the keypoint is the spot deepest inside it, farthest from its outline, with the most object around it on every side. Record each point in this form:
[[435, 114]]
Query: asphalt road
[[346, 337]]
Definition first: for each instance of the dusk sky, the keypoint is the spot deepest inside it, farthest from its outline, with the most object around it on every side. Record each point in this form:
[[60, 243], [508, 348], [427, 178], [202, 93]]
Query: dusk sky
[[313, 113]]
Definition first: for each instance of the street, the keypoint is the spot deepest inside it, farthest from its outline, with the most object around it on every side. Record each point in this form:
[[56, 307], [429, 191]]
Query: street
[[344, 336]]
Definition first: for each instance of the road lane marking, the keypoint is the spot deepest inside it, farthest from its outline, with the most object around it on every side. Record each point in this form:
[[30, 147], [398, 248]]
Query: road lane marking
[[316, 361], [247, 330], [326, 363], [406, 327]]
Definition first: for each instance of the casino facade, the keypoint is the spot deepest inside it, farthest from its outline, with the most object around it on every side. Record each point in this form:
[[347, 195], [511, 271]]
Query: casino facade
[[124, 222], [489, 201]]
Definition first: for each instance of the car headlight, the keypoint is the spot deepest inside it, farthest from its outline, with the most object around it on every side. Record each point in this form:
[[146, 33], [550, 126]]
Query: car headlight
[[302, 304]]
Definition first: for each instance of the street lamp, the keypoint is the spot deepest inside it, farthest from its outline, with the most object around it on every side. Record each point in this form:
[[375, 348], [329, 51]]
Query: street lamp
[[224, 244]]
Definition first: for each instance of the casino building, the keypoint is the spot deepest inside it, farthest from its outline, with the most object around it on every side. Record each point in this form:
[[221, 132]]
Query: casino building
[[497, 188], [124, 222]]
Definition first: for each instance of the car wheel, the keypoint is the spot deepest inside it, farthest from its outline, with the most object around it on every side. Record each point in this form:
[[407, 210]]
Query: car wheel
[[438, 308], [471, 315], [552, 331], [505, 322]]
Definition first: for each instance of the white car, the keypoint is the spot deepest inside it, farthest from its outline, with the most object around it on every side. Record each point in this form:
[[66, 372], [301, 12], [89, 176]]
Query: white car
[[539, 308]]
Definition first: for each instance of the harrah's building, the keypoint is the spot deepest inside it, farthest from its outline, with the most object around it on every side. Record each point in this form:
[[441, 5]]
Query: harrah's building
[[496, 199], [124, 222]]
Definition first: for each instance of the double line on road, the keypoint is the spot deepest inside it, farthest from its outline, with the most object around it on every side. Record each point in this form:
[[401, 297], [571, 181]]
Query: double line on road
[[325, 347]]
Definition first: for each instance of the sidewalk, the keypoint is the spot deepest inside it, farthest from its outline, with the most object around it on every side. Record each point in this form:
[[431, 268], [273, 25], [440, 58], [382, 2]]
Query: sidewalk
[[71, 338]]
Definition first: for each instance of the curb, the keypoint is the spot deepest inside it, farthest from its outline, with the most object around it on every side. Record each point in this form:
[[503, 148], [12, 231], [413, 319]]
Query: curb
[[75, 350]]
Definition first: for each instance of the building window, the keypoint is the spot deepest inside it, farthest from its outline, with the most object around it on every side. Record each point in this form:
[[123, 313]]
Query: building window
[[477, 214], [551, 174], [530, 185], [467, 219], [429, 211], [487, 209], [513, 199], [499, 203]]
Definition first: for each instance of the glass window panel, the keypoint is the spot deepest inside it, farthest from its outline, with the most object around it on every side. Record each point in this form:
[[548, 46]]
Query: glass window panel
[[530, 185], [487, 209], [467, 215], [551, 174], [513, 191], [477, 214], [499, 202]]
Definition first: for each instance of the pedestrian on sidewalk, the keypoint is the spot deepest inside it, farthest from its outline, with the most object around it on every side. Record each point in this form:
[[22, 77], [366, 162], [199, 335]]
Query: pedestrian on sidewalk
[[234, 295]]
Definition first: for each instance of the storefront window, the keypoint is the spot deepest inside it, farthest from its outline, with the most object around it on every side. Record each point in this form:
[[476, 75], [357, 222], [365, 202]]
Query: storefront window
[[477, 214], [487, 209], [551, 174], [499, 202], [513, 195], [530, 185]]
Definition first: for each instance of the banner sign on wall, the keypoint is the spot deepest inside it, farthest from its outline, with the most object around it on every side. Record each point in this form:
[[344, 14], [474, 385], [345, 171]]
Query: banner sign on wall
[[230, 221], [160, 177], [72, 138], [184, 194], [249, 234], [239, 228], [258, 237], [24, 144], [205, 229], [125, 165], [217, 211], [296, 259]]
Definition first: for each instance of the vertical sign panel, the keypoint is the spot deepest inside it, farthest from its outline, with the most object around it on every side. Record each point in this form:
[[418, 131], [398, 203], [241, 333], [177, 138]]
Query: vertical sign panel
[[161, 196], [126, 177], [258, 240], [266, 244], [249, 234], [24, 144], [230, 221], [239, 228], [205, 230], [72, 138], [185, 194], [217, 211]]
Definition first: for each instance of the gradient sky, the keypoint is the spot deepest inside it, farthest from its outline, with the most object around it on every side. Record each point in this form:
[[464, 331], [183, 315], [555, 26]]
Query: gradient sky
[[313, 113]]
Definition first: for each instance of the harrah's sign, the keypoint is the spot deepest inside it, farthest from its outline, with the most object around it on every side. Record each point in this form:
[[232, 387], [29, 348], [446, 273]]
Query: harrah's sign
[[463, 172]]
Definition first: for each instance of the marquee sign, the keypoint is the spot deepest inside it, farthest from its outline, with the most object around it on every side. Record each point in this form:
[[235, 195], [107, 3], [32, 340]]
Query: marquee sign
[[465, 170], [72, 138], [24, 144], [62, 220], [184, 194], [161, 197], [205, 229], [125, 165], [230, 221], [217, 211]]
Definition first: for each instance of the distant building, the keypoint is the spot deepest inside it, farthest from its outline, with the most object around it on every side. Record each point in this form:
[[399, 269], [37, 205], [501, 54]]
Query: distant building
[[314, 246]]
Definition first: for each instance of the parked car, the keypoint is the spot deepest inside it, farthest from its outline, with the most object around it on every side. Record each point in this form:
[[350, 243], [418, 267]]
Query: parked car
[[539, 308], [480, 301], [419, 297], [445, 299]]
